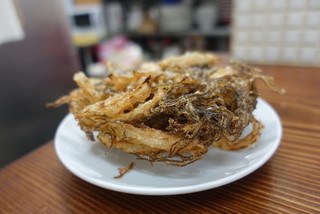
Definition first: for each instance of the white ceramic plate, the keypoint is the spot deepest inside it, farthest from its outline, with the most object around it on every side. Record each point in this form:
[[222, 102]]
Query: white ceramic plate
[[95, 164]]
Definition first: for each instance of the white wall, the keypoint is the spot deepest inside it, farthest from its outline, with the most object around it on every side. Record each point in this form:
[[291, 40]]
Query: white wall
[[277, 31]]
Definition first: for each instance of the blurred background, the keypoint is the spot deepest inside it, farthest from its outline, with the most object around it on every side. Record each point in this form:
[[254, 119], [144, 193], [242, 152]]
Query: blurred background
[[146, 30], [44, 42]]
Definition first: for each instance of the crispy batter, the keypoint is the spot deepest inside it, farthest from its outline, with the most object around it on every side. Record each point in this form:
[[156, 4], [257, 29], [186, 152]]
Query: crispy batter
[[124, 170], [172, 111]]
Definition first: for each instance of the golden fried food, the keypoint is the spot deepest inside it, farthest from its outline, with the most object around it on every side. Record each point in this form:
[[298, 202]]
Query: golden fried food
[[124, 170], [172, 111]]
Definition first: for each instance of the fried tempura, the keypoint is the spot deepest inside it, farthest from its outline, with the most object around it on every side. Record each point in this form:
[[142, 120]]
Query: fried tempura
[[172, 111]]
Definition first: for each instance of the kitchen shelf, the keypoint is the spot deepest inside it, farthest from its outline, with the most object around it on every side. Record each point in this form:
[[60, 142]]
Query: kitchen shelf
[[216, 32]]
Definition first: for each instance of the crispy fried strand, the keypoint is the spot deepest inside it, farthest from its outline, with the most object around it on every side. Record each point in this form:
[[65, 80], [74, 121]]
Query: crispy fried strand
[[124, 170], [172, 111]]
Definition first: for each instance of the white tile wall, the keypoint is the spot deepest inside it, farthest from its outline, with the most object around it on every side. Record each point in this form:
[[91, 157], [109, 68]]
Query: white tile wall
[[276, 5], [244, 6], [273, 38], [275, 21], [292, 38], [272, 54], [289, 54], [313, 4], [243, 22], [277, 31], [296, 5], [308, 55], [294, 20], [257, 37], [312, 19], [255, 53], [240, 53], [261, 6], [309, 38]]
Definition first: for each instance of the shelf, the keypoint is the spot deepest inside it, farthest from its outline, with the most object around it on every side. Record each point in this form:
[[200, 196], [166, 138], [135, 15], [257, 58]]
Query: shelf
[[218, 32]]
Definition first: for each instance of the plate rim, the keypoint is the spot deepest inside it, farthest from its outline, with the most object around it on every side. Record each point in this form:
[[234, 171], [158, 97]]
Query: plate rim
[[138, 190]]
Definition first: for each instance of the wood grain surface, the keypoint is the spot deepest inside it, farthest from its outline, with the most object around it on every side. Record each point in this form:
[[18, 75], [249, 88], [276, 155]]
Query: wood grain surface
[[288, 183]]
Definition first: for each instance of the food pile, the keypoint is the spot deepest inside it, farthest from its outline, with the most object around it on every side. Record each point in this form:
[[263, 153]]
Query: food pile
[[171, 111]]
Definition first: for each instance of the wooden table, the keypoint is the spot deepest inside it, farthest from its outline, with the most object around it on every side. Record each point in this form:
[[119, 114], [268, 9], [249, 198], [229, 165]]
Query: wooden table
[[288, 183]]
